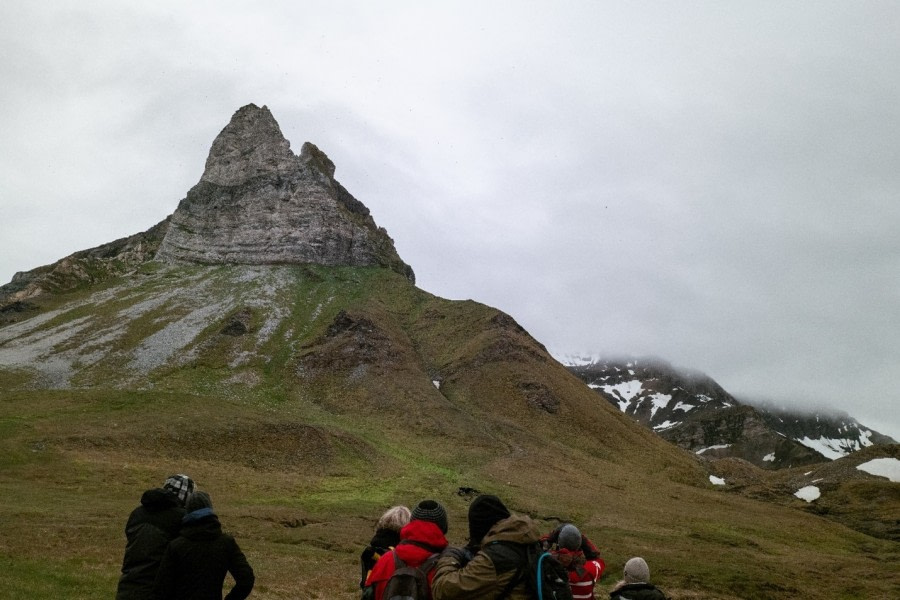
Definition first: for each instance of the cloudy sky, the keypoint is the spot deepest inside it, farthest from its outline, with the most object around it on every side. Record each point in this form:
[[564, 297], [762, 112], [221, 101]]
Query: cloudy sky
[[713, 183]]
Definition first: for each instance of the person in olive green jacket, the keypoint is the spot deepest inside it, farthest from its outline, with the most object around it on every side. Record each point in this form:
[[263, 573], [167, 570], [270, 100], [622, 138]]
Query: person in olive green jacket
[[492, 565]]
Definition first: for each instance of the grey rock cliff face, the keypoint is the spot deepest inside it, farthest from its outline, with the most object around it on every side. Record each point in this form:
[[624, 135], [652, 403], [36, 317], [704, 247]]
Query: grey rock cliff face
[[259, 203]]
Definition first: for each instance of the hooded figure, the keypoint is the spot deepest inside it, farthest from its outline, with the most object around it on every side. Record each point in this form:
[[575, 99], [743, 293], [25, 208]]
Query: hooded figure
[[636, 584], [196, 562], [489, 566], [148, 531], [422, 538]]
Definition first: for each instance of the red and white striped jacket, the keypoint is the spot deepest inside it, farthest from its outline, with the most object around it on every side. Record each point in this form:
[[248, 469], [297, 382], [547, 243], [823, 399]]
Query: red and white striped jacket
[[583, 575]]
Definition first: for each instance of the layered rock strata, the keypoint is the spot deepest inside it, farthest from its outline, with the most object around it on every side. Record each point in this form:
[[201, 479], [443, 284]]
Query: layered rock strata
[[259, 203]]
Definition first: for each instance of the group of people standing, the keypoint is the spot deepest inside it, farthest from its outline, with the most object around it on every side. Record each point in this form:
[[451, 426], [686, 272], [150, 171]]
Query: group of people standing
[[490, 566], [176, 549]]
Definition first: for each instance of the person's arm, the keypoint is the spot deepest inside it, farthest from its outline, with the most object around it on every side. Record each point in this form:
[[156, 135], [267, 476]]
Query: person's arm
[[366, 562], [549, 540], [378, 577], [240, 569], [596, 567], [589, 549], [452, 581], [164, 586]]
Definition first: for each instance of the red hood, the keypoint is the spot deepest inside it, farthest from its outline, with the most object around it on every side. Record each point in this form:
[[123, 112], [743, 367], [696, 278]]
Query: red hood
[[423, 532]]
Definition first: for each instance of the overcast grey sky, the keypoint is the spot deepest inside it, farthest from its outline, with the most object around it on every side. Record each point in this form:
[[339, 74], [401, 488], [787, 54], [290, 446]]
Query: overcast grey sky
[[713, 183]]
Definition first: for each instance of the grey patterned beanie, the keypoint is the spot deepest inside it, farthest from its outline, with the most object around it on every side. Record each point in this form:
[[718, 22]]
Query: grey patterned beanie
[[180, 485]]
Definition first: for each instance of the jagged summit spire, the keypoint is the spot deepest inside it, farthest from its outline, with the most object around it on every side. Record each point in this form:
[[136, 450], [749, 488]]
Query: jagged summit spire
[[250, 145], [259, 203]]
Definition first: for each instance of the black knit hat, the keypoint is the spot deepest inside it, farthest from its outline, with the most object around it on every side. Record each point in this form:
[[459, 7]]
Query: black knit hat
[[484, 511], [431, 510]]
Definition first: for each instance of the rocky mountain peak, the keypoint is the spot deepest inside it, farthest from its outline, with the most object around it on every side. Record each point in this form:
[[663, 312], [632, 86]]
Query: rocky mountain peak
[[691, 410], [311, 155], [251, 145], [259, 203]]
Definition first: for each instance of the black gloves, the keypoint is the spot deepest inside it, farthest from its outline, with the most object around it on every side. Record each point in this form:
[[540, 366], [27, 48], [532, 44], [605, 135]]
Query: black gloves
[[460, 556]]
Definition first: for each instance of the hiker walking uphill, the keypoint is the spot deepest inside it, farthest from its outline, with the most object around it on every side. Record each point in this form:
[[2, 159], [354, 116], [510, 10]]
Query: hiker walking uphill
[[580, 558], [196, 562], [387, 535], [636, 584], [407, 570], [499, 566], [148, 531]]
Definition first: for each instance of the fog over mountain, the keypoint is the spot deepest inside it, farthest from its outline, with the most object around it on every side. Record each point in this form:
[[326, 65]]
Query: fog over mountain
[[714, 186]]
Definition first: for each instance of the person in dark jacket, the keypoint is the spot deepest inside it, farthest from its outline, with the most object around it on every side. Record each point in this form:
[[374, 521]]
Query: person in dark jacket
[[495, 569], [196, 562], [387, 535], [636, 584], [422, 538], [150, 528]]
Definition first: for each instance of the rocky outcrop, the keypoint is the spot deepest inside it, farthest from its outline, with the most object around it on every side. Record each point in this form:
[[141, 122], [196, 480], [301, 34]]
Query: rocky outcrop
[[86, 267], [740, 432], [693, 411], [259, 203]]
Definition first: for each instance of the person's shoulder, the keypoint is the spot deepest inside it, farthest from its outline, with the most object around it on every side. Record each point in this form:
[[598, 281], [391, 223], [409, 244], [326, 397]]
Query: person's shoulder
[[519, 529], [138, 513], [227, 538], [595, 567], [383, 568], [230, 542], [505, 555], [637, 591]]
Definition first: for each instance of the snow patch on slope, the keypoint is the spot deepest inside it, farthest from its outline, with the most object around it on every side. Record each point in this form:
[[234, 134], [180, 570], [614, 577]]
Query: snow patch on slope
[[836, 448], [666, 425], [808, 493], [659, 401], [623, 392], [883, 467], [716, 447]]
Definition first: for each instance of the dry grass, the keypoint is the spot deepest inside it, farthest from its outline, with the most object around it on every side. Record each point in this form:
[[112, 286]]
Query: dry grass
[[65, 500], [300, 463]]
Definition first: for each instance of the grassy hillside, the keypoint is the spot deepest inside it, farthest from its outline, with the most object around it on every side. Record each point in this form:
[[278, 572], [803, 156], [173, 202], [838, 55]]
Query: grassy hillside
[[306, 400]]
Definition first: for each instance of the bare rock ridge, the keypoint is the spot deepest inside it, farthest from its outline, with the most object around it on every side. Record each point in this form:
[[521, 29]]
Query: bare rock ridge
[[259, 203], [693, 411]]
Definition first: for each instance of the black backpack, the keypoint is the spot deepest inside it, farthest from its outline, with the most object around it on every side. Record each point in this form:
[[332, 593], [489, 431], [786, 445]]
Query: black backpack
[[409, 583], [547, 579]]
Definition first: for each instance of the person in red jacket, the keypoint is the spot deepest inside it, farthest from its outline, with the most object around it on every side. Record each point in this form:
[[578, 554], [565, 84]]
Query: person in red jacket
[[421, 538], [580, 558]]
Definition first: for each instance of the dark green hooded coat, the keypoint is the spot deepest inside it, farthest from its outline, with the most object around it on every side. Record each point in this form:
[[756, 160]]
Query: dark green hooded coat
[[493, 567]]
